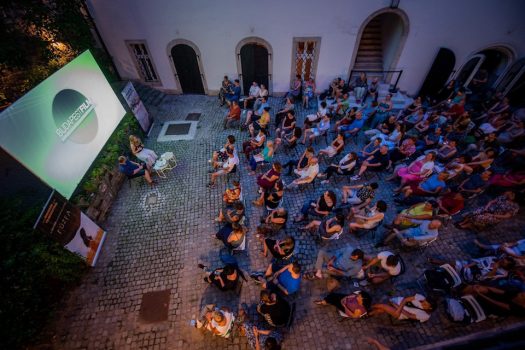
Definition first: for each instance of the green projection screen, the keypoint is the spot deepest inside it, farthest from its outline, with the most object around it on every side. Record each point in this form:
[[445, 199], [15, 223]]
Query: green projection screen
[[57, 129]]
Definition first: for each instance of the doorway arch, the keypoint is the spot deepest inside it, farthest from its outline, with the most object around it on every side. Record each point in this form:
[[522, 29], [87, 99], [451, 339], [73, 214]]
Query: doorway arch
[[380, 42], [186, 63], [439, 72], [254, 63]]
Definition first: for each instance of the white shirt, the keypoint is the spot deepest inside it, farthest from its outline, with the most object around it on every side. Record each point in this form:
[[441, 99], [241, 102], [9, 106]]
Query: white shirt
[[392, 271], [421, 315], [254, 90], [223, 330], [230, 162], [310, 172]]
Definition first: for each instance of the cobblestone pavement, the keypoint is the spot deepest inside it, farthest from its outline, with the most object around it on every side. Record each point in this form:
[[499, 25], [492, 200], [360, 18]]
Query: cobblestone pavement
[[156, 238]]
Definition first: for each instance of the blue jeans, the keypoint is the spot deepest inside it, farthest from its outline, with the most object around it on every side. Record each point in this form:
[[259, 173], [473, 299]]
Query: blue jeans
[[253, 163]]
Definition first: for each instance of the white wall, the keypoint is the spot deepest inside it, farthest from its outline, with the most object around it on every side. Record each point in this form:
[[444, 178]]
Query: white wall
[[216, 27]]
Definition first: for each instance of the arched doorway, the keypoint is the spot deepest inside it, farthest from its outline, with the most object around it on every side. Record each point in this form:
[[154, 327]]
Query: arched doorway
[[254, 63], [379, 43], [483, 69], [439, 73], [186, 63], [512, 83]]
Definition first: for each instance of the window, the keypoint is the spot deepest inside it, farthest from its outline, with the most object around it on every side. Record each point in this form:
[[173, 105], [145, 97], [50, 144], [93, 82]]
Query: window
[[305, 55], [143, 61]]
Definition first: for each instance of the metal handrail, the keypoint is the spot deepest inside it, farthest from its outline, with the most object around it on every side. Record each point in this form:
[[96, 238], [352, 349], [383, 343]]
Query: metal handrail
[[398, 72]]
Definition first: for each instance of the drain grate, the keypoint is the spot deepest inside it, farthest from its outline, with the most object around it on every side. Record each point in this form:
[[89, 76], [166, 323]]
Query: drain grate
[[151, 199], [193, 116], [154, 306], [178, 129]]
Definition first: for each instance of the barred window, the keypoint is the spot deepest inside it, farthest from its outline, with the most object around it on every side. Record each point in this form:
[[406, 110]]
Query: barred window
[[306, 53], [143, 61]]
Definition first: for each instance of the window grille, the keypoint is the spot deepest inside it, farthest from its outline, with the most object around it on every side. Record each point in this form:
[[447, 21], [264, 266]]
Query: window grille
[[143, 62], [305, 58]]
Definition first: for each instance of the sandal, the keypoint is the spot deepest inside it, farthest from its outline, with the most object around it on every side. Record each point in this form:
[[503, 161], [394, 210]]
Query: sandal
[[320, 302]]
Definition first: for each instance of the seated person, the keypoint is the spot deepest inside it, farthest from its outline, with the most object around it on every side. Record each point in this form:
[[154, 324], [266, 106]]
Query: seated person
[[308, 92], [285, 281], [508, 179], [312, 119], [514, 249], [337, 145], [382, 267], [346, 166], [361, 87], [344, 262], [265, 156], [371, 148], [218, 321], [233, 116], [289, 141], [232, 235], [287, 125], [258, 338], [234, 94], [226, 168], [430, 140], [354, 127], [432, 186], [321, 129], [414, 118], [450, 203], [288, 108], [447, 151], [261, 123], [384, 129], [254, 115], [416, 171], [220, 156], [487, 268], [327, 227], [281, 249], [267, 180], [273, 222], [392, 140], [497, 210], [132, 169], [144, 154], [359, 195], [379, 161], [405, 150], [415, 307], [253, 144], [253, 94], [263, 95], [498, 301], [272, 197], [475, 184], [340, 105], [382, 112], [275, 310], [372, 89], [233, 194], [302, 163], [420, 211], [306, 175], [231, 213], [367, 218], [226, 87], [424, 232], [295, 88], [355, 305], [225, 278], [320, 208], [347, 119]]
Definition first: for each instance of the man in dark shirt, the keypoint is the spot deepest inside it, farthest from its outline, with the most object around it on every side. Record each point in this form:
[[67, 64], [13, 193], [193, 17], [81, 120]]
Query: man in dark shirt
[[274, 309], [475, 184], [235, 94], [132, 169], [379, 161]]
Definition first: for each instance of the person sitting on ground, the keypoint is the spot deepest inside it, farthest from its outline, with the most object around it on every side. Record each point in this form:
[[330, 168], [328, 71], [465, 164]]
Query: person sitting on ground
[[306, 175], [233, 116], [254, 115], [285, 281], [295, 88], [354, 305], [497, 210], [252, 95], [308, 92], [253, 144], [369, 149], [261, 123], [220, 322], [289, 106], [132, 169], [234, 94], [420, 211], [425, 231], [431, 187], [359, 195], [225, 278], [275, 310], [327, 227], [144, 154], [232, 235], [354, 127], [258, 338], [233, 194], [382, 267], [321, 129], [377, 162], [232, 213], [344, 262], [273, 222], [337, 145], [475, 184], [415, 307], [367, 218], [302, 163], [320, 208], [289, 141], [221, 156], [346, 166], [226, 87], [265, 156], [227, 167], [417, 171]]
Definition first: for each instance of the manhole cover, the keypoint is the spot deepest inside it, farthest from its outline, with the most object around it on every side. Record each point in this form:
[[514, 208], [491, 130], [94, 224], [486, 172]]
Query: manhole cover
[[193, 116], [178, 129], [151, 199], [154, 306]]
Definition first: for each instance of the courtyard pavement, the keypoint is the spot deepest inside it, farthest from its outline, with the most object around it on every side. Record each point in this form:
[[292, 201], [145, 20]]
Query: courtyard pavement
[[156, 238]]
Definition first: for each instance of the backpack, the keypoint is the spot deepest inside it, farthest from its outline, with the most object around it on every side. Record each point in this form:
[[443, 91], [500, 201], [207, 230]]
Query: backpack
[[439, 279], [465, 310]]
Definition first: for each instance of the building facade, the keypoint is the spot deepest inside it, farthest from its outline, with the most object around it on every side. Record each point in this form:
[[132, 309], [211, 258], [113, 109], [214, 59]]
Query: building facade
[[188, 46]]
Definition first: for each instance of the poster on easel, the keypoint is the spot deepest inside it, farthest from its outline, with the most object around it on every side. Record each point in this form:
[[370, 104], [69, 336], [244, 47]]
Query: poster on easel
[[67, 224], [137, 107]]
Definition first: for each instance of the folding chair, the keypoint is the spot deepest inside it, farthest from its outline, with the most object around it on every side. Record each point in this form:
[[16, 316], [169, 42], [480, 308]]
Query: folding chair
[[372, 230]]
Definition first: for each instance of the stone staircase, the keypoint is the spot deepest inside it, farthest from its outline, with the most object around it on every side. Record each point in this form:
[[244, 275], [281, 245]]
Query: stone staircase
[[148, 95], [370, 52]]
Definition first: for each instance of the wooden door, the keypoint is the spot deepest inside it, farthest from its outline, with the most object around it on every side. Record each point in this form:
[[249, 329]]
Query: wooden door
[[439, 73], [254, 66], [187, 66]]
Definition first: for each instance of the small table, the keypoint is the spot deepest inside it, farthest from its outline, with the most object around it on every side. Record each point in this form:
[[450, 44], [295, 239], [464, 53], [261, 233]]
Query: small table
[[166, 162]]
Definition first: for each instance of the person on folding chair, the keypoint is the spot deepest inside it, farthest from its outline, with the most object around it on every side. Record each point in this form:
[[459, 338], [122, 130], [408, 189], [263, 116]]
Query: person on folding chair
[[225, 169], [232, 235], [285, 281], [224, 278], [423, 232], [416, 307], [367, 218], [327, 227], [382, 267], [306, 175], [354, 305]]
